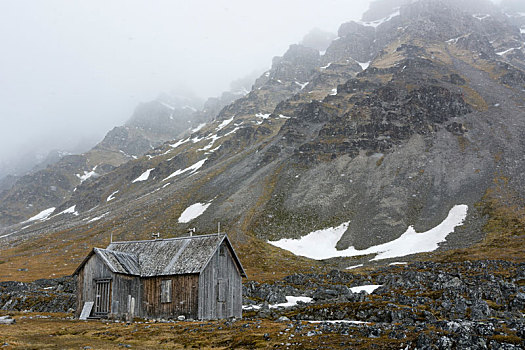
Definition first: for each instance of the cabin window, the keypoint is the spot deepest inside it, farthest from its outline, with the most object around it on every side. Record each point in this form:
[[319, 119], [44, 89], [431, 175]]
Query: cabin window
[[165, 291]]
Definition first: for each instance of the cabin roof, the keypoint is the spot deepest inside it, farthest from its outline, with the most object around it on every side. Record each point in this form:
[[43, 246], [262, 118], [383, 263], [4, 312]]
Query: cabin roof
[[119, 262], [162, 257]]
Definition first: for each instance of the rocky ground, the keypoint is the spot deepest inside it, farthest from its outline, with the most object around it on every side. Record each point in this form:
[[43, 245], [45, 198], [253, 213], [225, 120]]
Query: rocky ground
[[423, 305]]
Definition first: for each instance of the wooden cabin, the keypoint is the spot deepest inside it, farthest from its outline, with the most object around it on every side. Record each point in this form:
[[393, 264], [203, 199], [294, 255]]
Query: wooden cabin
[[199, 277]]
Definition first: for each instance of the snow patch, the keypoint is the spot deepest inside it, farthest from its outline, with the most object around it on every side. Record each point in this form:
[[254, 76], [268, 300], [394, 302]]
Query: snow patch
[[43, 215], [453, 40], [398, 263], [192, 169], [210, 145], [364, 65], [321, 244], [190, 108], [167, 105], [317, 245], [111, 196], [507, 51], [378, 22], [87, 175], [370, 288], [193, 211], [328, 65], [291, 301], [224, 124], [262, 115], [334, 92], [197, 139], [232, 132], [97, 218], [144, 176], [302, 85], [178, 143], [244, 307], [213, 150], [354, 267], [481, 16], [200, 126], [70, 210]]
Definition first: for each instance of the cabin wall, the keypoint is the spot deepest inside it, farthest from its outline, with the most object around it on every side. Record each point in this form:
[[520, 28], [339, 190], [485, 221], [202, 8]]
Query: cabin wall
[[122, 287], [183, 297], [220, 287]]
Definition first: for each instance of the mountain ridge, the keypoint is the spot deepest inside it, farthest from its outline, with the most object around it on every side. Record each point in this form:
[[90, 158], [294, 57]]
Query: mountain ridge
[[433, 120]]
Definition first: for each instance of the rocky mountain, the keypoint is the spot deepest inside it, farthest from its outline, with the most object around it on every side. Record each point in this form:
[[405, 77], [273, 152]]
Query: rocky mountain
[[411, 121], [55, 178]]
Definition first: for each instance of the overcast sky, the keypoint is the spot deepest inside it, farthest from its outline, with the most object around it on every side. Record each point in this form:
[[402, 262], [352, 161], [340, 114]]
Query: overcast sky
[[74, 69]]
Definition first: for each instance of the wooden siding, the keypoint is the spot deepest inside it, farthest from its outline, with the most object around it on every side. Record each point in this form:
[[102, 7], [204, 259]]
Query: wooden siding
[[123, 287], [184, 296], [220, 292]]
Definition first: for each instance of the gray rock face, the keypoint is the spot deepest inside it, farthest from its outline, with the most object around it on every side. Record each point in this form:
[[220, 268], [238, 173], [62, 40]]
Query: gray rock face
[[45, 295], [297, 64]]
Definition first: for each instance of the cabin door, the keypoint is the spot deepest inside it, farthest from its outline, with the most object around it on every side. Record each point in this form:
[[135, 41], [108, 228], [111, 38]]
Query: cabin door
[[102, 297]]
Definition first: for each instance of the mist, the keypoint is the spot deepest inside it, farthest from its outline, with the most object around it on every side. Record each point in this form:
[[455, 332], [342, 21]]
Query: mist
[[72, 70]]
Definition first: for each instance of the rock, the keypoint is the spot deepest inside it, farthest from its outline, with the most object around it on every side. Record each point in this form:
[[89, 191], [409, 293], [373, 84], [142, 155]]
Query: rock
[[444, 343], [479, 310], [7, 320], [519, 301], [181, 318], [283, 319]]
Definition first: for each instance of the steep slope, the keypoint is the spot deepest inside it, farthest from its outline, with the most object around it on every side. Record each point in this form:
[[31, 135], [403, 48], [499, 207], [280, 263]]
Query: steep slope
[[152, 124], [407, 118]]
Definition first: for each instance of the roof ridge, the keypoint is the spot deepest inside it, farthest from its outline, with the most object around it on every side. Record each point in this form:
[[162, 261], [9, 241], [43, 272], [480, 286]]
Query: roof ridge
[[170, 239]]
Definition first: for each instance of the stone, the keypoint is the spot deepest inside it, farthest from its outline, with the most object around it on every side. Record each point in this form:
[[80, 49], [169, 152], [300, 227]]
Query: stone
[[7, 320], [283, 319]]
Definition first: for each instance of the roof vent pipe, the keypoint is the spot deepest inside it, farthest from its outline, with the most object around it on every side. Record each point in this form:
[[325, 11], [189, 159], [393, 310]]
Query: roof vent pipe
[[155, 235], [191, 231]]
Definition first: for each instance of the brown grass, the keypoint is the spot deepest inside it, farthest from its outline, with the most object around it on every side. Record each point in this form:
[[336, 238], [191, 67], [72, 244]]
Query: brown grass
[[55, 331], [505, 228]]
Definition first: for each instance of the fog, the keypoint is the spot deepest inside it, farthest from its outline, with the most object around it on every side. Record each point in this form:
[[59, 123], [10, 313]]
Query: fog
[[71, 70]]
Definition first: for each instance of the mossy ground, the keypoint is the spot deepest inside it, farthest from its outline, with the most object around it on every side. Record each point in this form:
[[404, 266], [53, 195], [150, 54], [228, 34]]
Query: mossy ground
[[46, 331]]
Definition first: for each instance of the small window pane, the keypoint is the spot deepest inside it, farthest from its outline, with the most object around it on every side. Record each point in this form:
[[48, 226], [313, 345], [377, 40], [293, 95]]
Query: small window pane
[[165, 291]]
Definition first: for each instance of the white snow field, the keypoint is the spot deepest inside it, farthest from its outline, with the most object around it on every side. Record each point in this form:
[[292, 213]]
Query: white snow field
[[44, 214], [192, 169], [368, 288], [377, 23], [70, 210], [193, 211], [144, 176], [291, 301], [320, 245]]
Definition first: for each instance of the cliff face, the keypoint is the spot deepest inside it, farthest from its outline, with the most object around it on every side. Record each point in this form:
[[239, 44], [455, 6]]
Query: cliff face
[[407, 115]]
